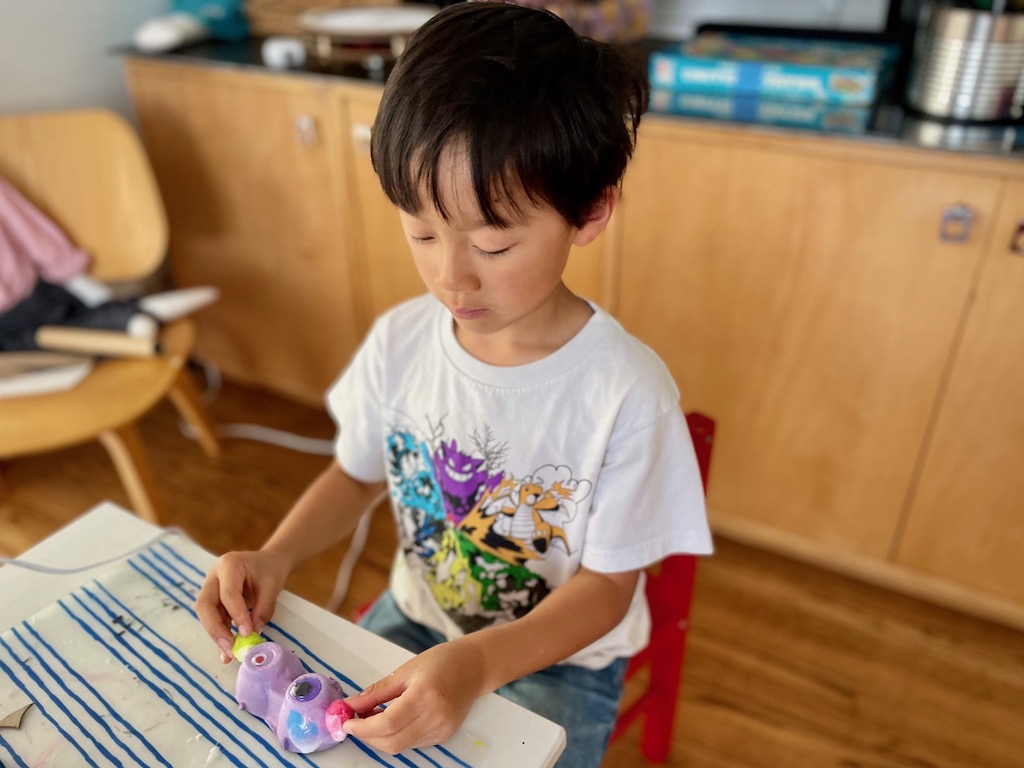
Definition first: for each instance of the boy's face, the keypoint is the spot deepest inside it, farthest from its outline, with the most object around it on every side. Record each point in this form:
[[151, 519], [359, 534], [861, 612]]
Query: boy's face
[[503, 287]]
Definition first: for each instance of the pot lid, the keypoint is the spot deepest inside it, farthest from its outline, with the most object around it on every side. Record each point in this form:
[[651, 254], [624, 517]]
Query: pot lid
[[367, 22]]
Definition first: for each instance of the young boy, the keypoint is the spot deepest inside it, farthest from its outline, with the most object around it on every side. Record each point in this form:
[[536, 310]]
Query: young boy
[[535, 454]]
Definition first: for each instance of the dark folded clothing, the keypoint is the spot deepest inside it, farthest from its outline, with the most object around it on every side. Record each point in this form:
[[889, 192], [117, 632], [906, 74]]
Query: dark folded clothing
[[50, 304]]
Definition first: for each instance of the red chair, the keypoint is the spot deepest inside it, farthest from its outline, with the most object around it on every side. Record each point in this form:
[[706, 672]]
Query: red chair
[[669, 594]]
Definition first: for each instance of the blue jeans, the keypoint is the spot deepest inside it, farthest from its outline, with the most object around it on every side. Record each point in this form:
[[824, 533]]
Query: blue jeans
[[583, 701]]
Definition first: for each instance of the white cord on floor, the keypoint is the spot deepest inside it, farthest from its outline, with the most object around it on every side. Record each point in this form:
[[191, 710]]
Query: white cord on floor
[[348, 563], [301, 444], [39, 568], [256, 432], [262, 434]]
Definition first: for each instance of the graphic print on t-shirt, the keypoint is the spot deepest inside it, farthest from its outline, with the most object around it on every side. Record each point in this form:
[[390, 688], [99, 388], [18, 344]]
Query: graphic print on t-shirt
[[471, 526]]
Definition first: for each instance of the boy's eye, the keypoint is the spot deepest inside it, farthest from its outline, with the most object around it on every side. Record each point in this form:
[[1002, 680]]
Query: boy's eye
[[424, 239], [493, 254]]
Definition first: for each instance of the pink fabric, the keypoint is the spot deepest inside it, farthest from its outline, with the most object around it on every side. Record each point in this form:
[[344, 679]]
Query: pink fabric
[[31, 246]]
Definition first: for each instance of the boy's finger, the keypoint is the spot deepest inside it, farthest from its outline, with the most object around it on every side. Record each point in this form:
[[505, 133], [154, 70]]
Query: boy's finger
[[375, 694], [233, 602], [379, 730], [396, 729], [263, 611], [212, 617], [357, 727]]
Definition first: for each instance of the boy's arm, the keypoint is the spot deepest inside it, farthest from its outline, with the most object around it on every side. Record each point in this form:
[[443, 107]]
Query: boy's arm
[[581, 611], [242, 587], [327, 512], [434, 691]]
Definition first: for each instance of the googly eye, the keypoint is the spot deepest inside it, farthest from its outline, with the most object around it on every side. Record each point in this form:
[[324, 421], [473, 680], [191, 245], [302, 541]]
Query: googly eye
[[305, 689], [259, 658]]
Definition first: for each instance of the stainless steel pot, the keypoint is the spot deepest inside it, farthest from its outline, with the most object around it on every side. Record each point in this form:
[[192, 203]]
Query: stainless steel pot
[[969, 65]]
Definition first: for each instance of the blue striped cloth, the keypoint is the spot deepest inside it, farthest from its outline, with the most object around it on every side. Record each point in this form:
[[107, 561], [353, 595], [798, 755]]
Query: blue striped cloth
[[121, 673]]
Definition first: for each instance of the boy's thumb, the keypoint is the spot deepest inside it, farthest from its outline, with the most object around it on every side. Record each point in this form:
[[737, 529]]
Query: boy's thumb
[[375, 694]]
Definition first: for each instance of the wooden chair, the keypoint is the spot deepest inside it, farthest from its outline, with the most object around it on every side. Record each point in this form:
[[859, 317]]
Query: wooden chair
[[669, 595], [87, 171]]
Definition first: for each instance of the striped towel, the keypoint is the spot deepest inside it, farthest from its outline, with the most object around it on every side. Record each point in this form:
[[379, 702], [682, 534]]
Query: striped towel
[[120, 672]]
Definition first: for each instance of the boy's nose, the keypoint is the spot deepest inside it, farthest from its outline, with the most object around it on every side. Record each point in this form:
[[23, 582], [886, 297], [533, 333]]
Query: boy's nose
[[455, 271]]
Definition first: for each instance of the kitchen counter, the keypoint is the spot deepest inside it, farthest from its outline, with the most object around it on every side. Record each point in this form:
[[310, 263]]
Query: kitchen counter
[[888, 121]]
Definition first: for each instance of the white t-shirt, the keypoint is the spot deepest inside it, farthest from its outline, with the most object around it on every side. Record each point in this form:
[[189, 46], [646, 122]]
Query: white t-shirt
[[505, 480]]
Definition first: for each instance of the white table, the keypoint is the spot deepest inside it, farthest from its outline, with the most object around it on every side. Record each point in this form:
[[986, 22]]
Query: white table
[[497, 733]]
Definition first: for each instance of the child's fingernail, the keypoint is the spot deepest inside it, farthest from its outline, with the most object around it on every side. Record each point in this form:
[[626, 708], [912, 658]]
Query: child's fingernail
[[243, 630], [225, 657], [224, 643]]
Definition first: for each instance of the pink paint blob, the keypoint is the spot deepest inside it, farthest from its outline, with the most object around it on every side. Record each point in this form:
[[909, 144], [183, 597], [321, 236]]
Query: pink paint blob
[[338, 712]]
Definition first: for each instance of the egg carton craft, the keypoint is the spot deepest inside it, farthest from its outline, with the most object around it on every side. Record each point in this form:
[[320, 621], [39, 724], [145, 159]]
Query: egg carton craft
[[305, 710]]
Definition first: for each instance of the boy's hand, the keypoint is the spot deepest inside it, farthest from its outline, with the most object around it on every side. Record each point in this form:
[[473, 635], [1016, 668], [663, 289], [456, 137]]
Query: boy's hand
[[241, 587], [431, 695]]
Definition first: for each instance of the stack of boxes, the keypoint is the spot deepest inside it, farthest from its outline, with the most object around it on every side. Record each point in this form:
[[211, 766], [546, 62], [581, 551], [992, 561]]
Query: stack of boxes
[[794, 82]]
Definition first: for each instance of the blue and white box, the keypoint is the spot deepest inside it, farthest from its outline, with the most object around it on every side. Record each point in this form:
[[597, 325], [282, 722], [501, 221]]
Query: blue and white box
[[775, 68]]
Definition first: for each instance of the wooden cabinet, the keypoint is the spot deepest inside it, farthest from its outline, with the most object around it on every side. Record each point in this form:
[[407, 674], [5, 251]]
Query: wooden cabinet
[[388, 273], [860, 349], [801, 293], [252, 172], [966, 519], [272, 198]]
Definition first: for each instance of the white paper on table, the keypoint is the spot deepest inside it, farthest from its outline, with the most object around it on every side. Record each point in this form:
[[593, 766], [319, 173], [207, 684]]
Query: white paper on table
[[121, 670]]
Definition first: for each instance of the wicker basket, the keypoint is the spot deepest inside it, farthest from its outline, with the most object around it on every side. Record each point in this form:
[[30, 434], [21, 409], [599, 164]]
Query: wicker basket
[[611, 21], [281, 17]]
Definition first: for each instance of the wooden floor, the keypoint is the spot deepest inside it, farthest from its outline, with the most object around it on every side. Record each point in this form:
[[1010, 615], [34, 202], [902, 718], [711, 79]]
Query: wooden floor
[[788, 666]]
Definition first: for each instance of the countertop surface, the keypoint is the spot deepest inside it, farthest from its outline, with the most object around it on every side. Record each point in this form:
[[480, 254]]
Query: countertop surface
[[887, 121]]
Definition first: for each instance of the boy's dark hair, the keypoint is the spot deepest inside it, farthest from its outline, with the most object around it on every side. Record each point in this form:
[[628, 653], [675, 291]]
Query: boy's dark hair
[[538, 108]]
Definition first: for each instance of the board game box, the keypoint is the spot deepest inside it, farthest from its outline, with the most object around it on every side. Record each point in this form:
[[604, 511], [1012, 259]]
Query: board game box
[[790, 69], [812, 115]]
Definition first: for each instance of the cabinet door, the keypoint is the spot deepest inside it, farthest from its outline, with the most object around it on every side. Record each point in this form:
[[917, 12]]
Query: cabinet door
[[251, 170], [966, 523], [388, 273], [807, 303]]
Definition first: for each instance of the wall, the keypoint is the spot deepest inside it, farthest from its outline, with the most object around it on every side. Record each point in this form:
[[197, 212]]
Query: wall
[[59, 53], [679, 18]]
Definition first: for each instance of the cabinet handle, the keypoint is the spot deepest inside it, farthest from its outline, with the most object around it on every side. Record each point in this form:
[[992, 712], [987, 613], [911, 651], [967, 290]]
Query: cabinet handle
[[956, 223], [306, 133], [1017, 241], [361, 138]]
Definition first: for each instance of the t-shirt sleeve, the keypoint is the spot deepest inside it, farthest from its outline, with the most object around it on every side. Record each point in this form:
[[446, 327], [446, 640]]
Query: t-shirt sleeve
[[649, 500], [354, 402]]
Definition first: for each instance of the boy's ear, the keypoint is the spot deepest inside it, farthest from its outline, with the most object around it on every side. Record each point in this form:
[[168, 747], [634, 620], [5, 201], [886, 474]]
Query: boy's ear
[[598, 218]]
